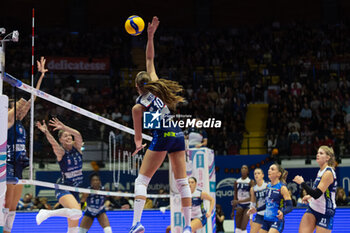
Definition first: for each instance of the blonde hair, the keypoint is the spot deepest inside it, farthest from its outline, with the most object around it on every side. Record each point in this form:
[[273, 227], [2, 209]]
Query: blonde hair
[[330, 152], [284, 173], [166, 90]]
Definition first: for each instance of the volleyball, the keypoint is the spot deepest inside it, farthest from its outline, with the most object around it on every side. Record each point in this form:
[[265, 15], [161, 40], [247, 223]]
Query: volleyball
[[134, 25]]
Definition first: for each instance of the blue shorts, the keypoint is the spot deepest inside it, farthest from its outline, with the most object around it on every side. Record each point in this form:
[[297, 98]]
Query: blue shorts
[[14, 171], [167, 141], [278, 225], [203, 220], [93, 215], [60, 193], [321, 219], [259, 219]]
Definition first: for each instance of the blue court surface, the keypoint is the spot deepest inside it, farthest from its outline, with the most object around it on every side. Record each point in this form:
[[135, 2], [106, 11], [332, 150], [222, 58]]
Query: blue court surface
[[155, 222]]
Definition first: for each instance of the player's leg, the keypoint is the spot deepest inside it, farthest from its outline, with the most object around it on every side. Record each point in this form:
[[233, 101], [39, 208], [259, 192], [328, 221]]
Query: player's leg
[[244, 221], [104, 222], [178, 164], [150, 163], [307, 223], [322, 230], [196, 224], [71, 211], [238, 219], [255, 227], [85, 224], [9, 217]]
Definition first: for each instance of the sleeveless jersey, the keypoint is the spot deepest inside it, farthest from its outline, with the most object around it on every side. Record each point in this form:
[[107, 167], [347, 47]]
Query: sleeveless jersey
[[243, 189], [153, 104], [72, 167], [19, 146], [197, 204], [325, 204], [260, 195], [274, 201], [95, 202]]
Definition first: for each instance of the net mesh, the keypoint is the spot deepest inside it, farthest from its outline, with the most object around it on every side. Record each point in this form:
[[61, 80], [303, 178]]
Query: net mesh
[[107, 145]]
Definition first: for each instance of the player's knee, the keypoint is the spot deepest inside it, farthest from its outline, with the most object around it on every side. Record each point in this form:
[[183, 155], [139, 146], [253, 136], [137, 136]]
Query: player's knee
[[82, 230], [75, 214], [141, 184], [183, 187], [107, 229], [10, 218]]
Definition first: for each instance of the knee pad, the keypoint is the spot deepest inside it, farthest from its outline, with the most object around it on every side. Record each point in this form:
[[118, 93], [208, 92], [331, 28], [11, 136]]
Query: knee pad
[[183, 187], [107, 230], [141, 184], [73, 230], [82, 230], [10, 218], [75, 214]]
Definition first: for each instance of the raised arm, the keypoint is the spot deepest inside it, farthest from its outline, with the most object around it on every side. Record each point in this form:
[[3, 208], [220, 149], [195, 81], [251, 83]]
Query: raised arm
[[151, 29], [137, 112], [206, 196], [57, 149], [58, 125], [41, 68]]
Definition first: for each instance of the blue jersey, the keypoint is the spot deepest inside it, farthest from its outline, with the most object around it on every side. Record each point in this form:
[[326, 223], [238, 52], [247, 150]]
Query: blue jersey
[[154, 104], [95, 202], [274, 202], [325, 204], [19, 146], [71, 166]]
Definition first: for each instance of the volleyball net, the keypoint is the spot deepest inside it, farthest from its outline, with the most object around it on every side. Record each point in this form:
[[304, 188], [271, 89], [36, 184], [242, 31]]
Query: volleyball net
[[107, 146]]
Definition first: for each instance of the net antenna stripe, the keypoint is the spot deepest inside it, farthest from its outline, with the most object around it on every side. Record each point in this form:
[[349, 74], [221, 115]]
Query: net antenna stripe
[[43, 95], [85, 190], [32, 107]]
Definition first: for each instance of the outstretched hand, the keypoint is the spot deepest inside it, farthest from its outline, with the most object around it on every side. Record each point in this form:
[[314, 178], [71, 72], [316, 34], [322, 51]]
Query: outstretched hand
[[41, 65], [42, 127], [57, 124], [138, 149], [152, 27]]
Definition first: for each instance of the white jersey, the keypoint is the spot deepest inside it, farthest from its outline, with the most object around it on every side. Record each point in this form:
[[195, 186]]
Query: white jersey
[[325, 204], [260, 196], [197, 204], [243, 189]]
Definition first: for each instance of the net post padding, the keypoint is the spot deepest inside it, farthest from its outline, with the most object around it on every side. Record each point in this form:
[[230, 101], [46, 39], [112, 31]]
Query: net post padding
[[3, 144]]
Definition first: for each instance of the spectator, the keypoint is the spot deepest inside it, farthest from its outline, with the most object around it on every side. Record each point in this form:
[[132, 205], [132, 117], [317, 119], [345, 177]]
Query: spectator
[[197, 137], [25, 203], [220, 217], [340, 198], [300, 203]]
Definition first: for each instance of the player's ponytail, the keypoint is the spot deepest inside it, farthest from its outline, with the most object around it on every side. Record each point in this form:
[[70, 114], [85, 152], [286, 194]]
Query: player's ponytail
[[164, 89]]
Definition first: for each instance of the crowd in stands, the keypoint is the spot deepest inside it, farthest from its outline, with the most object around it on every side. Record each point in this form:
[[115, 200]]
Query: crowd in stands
[[299, 69]]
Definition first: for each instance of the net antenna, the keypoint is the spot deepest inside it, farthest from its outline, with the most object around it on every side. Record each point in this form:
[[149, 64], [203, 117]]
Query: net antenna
[[131, 164]]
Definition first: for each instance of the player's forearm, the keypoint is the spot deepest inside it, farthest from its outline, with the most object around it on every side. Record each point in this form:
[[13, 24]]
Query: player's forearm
[[150, 48]]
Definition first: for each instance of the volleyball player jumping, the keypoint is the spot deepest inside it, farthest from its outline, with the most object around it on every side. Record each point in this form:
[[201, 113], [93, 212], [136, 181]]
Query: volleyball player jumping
[[156, 97], [69, 157]]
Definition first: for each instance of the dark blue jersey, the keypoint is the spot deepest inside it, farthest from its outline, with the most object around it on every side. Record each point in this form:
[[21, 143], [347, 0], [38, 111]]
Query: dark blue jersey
[[274, 201], [161, 121], [95, 202], [16, 150], [72, 167]]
